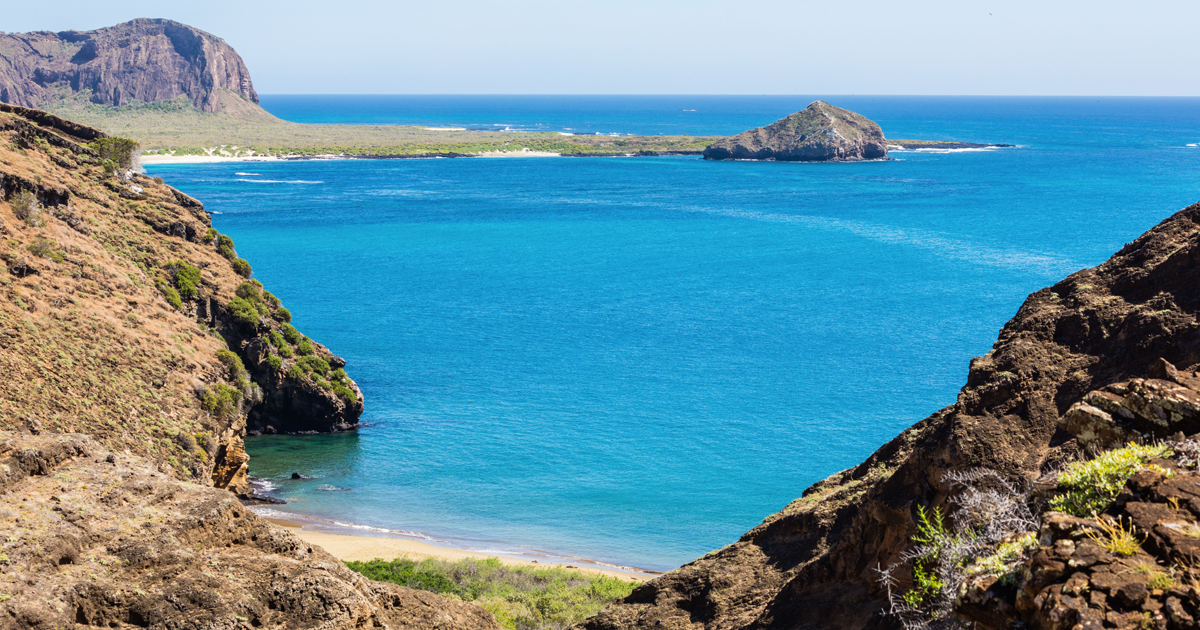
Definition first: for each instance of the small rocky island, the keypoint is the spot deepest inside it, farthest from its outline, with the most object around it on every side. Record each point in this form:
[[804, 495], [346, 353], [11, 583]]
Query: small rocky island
[[820, 133]]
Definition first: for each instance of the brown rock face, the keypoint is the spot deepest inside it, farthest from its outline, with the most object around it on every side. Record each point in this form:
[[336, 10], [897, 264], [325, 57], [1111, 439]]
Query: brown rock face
[[1137, 410], [820, 133], [813, 564], [146, 60], [102, 539]]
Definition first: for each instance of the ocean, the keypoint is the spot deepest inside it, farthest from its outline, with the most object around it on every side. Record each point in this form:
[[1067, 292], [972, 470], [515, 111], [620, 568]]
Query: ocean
[[635, 360]]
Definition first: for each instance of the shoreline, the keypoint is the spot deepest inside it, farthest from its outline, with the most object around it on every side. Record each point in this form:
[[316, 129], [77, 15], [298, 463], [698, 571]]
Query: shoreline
[[389, 545]]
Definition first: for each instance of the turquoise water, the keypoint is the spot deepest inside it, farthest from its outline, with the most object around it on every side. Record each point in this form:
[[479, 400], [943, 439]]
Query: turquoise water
[[636, 360]]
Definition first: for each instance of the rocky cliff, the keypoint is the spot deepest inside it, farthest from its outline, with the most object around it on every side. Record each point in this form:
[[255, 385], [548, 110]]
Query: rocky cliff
[[820, 133], [136, 349], [815, 564], [144, 60]]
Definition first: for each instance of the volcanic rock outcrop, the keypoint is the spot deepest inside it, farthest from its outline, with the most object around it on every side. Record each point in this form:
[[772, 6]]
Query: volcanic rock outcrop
[[146, 60], [815, 563], [820, 133]]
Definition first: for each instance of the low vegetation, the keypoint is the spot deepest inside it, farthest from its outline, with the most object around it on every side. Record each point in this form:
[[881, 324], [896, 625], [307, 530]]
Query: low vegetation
[[521, 598], [1090, 486], [175, 127]]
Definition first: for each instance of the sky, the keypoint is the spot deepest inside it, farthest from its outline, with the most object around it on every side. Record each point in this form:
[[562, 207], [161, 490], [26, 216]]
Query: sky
[[967, 47]]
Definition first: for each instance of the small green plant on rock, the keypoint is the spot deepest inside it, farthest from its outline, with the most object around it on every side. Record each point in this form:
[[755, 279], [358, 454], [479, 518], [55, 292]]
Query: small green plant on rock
[[186, 278], [1114, 537], [1088, 487], [169, 292]]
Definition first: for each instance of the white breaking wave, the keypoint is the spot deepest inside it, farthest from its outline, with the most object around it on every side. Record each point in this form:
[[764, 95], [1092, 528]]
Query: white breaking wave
[[280, 181], [247, 174]]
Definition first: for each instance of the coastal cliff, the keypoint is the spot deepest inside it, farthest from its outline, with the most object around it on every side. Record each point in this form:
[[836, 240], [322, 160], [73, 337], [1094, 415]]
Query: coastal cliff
[[820, 133], [145, 60], [1073, 347], [136, 350]]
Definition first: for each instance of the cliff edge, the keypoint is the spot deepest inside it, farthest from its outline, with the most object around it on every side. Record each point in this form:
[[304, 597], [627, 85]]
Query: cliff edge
[[136, 349], [145, 60], [820, 133]]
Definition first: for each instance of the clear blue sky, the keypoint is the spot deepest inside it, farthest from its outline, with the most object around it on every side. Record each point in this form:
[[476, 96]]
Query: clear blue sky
[[1092, 47]]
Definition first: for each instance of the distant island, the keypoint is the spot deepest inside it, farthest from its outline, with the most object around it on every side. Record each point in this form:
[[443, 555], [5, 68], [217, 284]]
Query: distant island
[[181, 92], [820, 133]]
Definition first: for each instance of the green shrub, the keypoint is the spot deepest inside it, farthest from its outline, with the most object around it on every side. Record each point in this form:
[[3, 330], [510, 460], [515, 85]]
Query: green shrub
[[296, 372], [118, 151], [314, 364], [283, 315], [233, 363], [519, 597], [169, 293], [27, 208], [243, 311], [1088, 487], [305, 347], [269, 298], [187, 278], [286, 352], [324, 384], [275, 363], [290, 333], [250, 292], [276, 339], [45, 248], [345, 393], [241, 267], [210, 235], [221, 401]]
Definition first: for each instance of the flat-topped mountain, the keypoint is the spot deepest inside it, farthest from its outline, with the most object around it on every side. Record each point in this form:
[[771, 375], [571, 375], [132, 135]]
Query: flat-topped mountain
[[820, 133], [144, 60]]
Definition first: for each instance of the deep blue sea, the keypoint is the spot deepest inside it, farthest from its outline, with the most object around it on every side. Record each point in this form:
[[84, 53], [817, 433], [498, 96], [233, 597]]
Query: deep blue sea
[[637, 359]]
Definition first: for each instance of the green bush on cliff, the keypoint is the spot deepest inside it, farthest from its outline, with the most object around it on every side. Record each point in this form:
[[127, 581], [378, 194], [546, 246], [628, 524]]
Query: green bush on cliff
[[275, 363], [221, 401], [296, 372], [169, 293], [283, 315], [290, 333], [521, 598], [233, 363], [117, 151], [314, 364], [1088, 487], [305, 347], [345, 393], [210, 235], [249, 291], [187, 278], [243, 311], [241, 267]]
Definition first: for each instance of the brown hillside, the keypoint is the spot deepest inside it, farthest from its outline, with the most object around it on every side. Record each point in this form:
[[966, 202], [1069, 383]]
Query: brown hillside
[[134, 353]]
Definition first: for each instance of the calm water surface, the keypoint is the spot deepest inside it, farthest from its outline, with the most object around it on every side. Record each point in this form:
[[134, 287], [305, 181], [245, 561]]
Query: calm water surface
[[636, 360]]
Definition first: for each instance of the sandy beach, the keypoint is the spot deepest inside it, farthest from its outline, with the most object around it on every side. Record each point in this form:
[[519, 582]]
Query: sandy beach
[[202, 159], [362, 548]]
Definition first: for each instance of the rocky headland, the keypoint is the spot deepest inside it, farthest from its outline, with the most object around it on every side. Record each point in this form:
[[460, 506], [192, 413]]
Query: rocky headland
[[820, 133], [147, 60], [137, 351]]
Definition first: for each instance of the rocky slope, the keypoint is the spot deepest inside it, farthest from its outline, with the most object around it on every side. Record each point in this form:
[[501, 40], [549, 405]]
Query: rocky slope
[[820, 133], [145, 60], [815, 563], [135, 352]]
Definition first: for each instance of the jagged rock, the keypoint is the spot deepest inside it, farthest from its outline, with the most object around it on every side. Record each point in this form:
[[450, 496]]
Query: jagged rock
[[145, 60], [821, 133], [1137, 410]]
